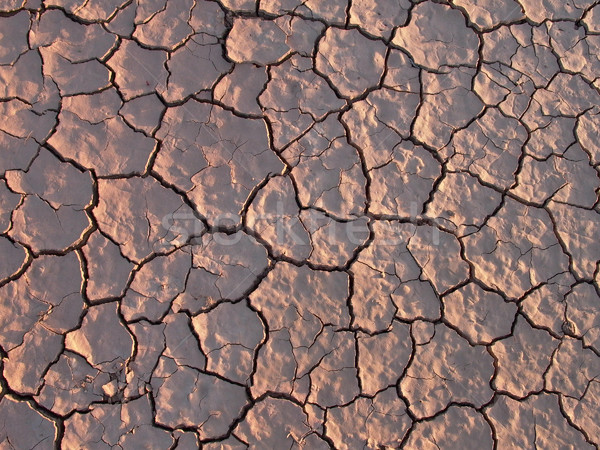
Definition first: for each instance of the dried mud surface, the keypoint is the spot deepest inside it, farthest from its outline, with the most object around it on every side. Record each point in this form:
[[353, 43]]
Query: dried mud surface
[[299, 224]]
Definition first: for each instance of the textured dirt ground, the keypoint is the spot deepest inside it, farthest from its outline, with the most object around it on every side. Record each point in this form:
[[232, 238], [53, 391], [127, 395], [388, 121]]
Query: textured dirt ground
[[299, 224]]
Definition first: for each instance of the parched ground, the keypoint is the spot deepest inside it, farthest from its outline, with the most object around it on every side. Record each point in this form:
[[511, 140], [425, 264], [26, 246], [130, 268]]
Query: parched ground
[[299, 224]]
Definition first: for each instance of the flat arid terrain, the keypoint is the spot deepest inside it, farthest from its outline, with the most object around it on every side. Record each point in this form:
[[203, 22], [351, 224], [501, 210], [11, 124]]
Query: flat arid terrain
[[299, 224]]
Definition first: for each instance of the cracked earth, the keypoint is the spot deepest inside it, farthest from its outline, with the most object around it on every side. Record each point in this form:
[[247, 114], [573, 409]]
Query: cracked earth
[[299, 224]]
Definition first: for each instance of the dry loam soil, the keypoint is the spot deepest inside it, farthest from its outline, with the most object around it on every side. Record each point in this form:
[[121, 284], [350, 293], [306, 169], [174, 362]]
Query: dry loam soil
[[296, 224]]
